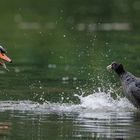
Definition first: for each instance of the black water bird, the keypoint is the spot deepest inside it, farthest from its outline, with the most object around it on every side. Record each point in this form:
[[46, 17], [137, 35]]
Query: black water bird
[[130, 83], [4, 57]]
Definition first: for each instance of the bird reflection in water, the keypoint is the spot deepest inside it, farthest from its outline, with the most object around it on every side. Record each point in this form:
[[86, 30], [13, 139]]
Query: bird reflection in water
[[5, 130]]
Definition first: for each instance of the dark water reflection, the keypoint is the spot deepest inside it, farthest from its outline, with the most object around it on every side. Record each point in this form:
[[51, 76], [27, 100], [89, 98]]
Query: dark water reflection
[[27, 125]]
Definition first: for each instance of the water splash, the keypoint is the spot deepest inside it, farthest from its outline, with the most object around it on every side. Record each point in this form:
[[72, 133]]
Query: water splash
[[98, 102]]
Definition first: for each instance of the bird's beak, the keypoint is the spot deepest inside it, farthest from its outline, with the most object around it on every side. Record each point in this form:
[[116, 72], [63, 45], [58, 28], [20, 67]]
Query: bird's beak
[[4, 57], [109, 67]]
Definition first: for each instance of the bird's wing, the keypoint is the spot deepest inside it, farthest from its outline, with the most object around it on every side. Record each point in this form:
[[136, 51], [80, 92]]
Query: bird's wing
[[135, 90], [138, 83]]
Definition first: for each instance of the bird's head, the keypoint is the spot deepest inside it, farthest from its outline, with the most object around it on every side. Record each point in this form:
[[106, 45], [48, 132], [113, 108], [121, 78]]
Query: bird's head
[[4, 57], [118, 68]]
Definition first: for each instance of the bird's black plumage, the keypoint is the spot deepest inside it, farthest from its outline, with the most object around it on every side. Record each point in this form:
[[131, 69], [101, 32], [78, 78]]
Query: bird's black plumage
[[130, 83]]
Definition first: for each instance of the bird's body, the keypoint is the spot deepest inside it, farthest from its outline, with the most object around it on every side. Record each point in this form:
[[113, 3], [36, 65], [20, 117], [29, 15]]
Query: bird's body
[[131, 91], [130, 84]]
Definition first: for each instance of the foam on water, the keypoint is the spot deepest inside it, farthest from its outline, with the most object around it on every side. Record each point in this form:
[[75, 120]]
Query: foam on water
[[96, 102]]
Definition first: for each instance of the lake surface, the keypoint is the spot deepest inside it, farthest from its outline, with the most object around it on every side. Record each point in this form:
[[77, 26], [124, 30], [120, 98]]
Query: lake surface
[[57, 87]]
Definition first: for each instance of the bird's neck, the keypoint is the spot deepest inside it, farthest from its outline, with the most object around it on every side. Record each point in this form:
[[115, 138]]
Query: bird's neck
[[122, 75], [121, 72]]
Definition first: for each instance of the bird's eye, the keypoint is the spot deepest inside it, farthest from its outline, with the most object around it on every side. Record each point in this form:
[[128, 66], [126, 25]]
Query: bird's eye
[[114, 65], [2, 50]]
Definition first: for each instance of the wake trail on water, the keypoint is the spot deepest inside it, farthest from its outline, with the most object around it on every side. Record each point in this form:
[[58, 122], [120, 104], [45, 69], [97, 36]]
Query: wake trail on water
[[94, 103]]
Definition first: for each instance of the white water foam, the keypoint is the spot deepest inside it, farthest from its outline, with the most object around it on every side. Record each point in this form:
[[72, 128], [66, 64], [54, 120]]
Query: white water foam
[[94, 103]]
